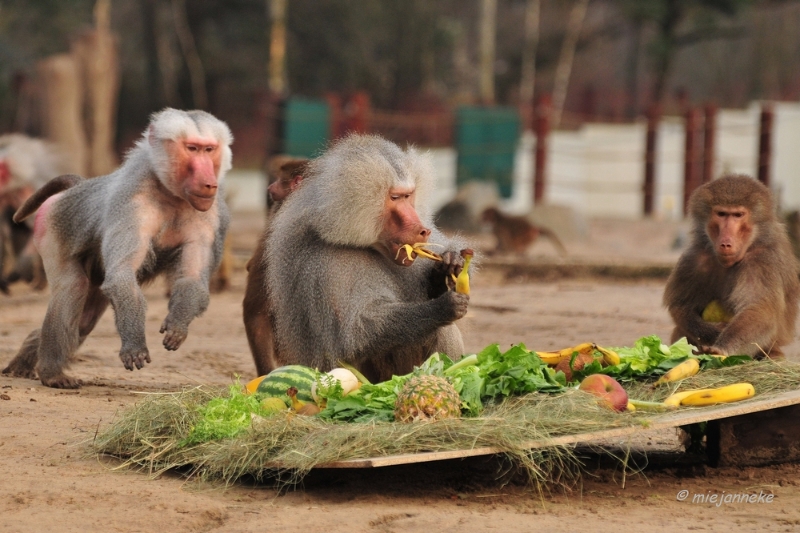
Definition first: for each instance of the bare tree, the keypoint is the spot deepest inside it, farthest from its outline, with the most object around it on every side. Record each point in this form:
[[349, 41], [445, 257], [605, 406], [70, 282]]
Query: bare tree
[[488, 25], [564, 68], [528, 74], [277, 46], [197, 73]]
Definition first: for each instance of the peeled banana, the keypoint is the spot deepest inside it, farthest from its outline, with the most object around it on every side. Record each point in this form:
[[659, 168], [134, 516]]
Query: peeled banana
[[553, 358], [462, 281], [727, 394], [688, 368]]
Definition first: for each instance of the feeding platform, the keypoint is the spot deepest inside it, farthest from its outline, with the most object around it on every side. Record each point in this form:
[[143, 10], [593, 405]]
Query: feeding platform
[[763, 430]]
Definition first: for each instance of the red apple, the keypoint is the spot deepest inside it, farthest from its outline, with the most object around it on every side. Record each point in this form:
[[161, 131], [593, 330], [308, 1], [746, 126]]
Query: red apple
[[607, 389]]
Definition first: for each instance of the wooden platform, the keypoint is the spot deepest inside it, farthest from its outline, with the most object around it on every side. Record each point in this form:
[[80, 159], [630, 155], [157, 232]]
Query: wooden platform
[[727, 412]]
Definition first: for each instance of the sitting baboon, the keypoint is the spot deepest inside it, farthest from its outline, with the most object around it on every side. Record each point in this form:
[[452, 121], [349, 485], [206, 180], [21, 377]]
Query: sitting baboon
[[285, 176], [740, 258], [339, 283]]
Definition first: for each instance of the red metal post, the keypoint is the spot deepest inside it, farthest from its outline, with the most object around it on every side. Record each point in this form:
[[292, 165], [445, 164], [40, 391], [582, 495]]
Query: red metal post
[[690, 178], [357, 109], [765, 143], [653, 118], [542, 113], [337, 124], [709, 141]]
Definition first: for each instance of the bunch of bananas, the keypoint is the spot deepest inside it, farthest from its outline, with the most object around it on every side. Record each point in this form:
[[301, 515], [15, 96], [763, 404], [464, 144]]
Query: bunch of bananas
[[610, 357]]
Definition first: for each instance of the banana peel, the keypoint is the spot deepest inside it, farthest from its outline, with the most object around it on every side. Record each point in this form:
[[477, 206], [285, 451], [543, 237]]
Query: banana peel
[[417, 249]]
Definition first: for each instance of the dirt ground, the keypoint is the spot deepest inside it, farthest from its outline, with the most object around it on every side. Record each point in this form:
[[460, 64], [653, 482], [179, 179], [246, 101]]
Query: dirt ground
[[48, 481]]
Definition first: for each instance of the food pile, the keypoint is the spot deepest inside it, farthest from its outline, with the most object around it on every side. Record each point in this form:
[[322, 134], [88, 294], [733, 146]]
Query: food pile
[[442, 388]]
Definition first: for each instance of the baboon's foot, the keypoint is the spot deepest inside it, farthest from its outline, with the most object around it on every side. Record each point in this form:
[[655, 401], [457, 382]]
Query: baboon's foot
[[20, 367], [62, 381]]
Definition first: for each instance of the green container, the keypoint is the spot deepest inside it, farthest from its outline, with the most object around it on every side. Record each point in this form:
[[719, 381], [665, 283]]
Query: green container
[[486, 140], [306, 127]]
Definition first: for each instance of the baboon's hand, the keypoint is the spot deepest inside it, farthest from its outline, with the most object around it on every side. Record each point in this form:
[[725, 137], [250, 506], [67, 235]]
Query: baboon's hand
[[135, 357], [175, 333], [711, 350], [451, 265], [455, 305]]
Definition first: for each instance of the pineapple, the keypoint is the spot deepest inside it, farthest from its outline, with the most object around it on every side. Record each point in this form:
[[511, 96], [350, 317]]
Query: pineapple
[[427, 398]]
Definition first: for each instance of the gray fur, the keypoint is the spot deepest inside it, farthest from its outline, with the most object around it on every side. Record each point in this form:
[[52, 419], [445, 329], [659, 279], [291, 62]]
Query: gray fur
[[95, 229], [334, 296]]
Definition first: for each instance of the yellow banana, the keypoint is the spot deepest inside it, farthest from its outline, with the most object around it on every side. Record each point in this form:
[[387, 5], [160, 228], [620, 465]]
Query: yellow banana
[[630, 408], [462, 281], [610, 357], [674, 400], [688, 368], [553, 358], [729, 393]]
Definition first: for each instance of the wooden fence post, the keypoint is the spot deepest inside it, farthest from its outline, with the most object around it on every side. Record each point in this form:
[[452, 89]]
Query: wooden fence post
[[709, 142], [690, 180], [653, 118], [765, 143]]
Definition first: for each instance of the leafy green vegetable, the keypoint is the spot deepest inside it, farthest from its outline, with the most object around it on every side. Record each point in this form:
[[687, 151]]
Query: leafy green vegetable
[[515, 371], [368, 403], [225, 417]]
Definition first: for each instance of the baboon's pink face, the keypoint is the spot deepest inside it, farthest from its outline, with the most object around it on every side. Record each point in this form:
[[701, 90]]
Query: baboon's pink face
[[195, 166], [401, 224], [730, 229]]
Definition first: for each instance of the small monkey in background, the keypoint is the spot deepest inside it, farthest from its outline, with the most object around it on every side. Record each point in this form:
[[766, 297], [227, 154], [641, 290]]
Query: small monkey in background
[[739, 259], [26, 164], [515, 234], [100, 239], [286, 174], [339, 285]]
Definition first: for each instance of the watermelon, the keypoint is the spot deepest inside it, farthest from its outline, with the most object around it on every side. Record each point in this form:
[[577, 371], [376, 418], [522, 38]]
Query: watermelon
[[275, 384]]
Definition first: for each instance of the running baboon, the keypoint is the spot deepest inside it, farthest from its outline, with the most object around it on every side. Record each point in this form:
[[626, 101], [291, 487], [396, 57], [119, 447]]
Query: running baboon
[[740, 257], [285, 177], [101, 238], [515, 234], [339, 284]]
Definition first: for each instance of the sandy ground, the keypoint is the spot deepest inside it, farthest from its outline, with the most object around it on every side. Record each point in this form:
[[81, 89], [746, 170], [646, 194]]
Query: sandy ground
[[48, 482]]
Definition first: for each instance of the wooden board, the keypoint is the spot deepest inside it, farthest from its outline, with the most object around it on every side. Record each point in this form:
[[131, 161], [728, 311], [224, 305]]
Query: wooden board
[[677, 418]]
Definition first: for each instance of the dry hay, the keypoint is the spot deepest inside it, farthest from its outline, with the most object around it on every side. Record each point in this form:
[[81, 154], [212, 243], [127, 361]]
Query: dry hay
[[149, 435]]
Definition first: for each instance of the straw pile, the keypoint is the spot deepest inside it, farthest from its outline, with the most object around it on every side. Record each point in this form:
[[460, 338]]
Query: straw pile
[[150, 435]]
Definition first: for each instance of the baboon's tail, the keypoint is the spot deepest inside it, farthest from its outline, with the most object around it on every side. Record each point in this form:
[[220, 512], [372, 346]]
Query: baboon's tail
[[550, 234], [54, 186]]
